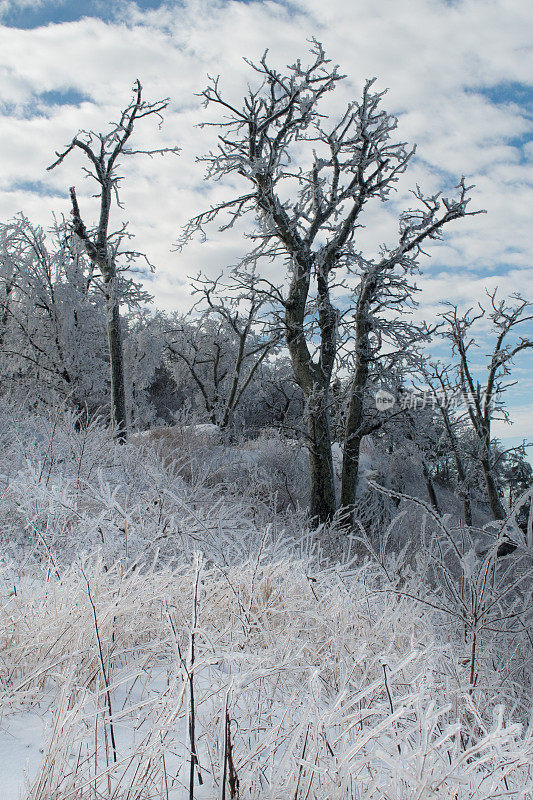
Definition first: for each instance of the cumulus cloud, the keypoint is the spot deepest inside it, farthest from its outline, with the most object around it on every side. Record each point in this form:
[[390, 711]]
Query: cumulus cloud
[[438, 60]]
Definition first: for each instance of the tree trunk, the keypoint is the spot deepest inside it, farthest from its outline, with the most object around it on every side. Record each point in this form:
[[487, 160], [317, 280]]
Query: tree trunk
[[100, 255], [116, 361], [496, 505], [483, 433], [313, 379], [322, 501], [350, 475], [430, 486], [354, 430], [467, 505]]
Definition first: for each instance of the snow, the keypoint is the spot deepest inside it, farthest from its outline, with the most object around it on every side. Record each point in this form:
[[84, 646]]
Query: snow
[[21, 747]]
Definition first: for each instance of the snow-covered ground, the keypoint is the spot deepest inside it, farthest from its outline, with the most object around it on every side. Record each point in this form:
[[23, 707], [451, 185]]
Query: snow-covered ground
[[22, 735]]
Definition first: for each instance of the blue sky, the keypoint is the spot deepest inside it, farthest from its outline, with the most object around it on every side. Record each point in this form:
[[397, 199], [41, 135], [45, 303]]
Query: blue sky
[[34, 14], [459, 75]]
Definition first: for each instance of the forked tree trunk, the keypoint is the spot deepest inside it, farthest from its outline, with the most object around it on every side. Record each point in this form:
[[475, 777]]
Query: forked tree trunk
[[99, 253], [313, 379]]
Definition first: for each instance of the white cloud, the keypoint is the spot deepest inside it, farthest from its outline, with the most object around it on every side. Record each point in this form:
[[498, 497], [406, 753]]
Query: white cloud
[[436, 58], [517, 429]]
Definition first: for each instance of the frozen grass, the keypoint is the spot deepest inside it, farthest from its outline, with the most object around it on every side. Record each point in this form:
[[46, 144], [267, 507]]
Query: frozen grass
[[66, 490], [330, 690], [309, 680]]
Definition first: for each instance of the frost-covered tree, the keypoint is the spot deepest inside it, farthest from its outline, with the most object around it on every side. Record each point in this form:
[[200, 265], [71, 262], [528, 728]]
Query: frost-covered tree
[[516, 474], [52, 328], [307, 179], [281, 403], [484, 398], [52, 316], [223, 345], [106, 247], [443, 392], [151, 393]]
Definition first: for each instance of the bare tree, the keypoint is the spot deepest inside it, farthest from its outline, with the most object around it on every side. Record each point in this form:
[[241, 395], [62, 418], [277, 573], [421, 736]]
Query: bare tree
[[483, 400], [103, 246], [384, 289], [308, 181], [281, 398], [225, 345], [443, 391]]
